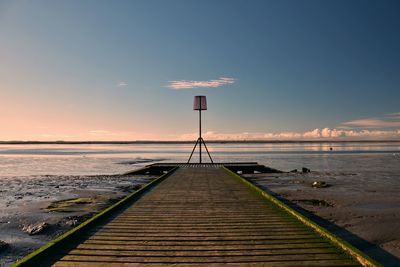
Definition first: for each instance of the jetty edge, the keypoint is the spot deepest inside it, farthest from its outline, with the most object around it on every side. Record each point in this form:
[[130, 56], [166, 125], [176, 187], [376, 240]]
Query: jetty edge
[[39, 256], [35, 257], [354, 252]]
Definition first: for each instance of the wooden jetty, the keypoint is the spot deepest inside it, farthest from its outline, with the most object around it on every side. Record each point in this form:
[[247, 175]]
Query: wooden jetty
[[198, 215]]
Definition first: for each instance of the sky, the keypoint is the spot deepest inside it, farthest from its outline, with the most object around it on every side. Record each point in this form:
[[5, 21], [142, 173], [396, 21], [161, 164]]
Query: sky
[[128, 70]]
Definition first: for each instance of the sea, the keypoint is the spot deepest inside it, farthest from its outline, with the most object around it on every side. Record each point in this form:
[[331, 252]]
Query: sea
[[22, 160]]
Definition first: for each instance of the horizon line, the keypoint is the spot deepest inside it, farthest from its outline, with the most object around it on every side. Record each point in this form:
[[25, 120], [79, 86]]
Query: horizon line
[[27, 142]]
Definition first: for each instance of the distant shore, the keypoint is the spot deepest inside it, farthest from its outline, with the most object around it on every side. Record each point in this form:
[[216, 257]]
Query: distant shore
[[17, 142]]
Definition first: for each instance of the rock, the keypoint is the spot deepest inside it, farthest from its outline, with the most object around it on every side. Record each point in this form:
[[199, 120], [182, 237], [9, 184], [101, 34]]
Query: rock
[[305, 170], [319, 184], [3, 246], [34, 229], [315, 202], [295, 170], [72, 222]]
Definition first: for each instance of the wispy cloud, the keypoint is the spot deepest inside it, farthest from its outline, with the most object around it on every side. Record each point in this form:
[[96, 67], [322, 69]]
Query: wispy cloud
[[390, 120], [104, 133], [96, 132], [111, 135], [54, 136], [122, 84], [188, 84], [393, 115]]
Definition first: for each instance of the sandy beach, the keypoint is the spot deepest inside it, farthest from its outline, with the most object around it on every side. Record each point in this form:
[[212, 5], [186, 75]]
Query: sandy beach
[[366, 211]]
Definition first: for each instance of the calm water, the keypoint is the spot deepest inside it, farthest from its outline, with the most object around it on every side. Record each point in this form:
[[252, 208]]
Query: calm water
[[26, 160]]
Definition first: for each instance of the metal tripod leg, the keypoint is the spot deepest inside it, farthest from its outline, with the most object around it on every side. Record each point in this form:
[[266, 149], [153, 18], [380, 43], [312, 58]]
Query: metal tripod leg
[[204, 143], [191, 154]]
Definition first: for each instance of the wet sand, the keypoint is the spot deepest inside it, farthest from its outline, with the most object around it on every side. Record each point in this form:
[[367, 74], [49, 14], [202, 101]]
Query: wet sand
[[58, 202], [359, 204]]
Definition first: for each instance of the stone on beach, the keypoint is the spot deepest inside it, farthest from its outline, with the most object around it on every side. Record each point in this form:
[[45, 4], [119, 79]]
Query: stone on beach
[[315, 202], [34, 229], [72, 221], [319, 184]]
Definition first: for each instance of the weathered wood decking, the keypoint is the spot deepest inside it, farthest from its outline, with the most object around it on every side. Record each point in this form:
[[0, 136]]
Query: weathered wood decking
[[203, 216]]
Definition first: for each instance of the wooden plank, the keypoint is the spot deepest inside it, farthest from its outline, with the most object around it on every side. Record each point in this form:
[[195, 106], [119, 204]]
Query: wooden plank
[[340, 262], [209, 247], [193, 239], [205, 224], [204, 242], [127, 229], [204, 236], [201, 253], [215, 215], [198, 227], [207, 259]]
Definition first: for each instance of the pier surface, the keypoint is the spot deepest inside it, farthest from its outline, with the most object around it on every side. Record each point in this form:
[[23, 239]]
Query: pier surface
[[202, 215]]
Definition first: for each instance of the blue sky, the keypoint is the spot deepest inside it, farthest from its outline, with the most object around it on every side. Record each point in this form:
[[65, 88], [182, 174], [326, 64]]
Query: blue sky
[[103, 70]]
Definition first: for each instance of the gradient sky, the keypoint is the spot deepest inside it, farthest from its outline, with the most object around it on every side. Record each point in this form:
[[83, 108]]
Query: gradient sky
[[114, 70]]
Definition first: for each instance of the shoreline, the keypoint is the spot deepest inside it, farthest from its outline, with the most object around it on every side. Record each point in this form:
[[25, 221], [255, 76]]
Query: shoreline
[[20, 142]]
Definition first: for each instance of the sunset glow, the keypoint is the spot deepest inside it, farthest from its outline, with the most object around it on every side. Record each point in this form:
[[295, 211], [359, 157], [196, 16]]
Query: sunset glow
[[272, 73]]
